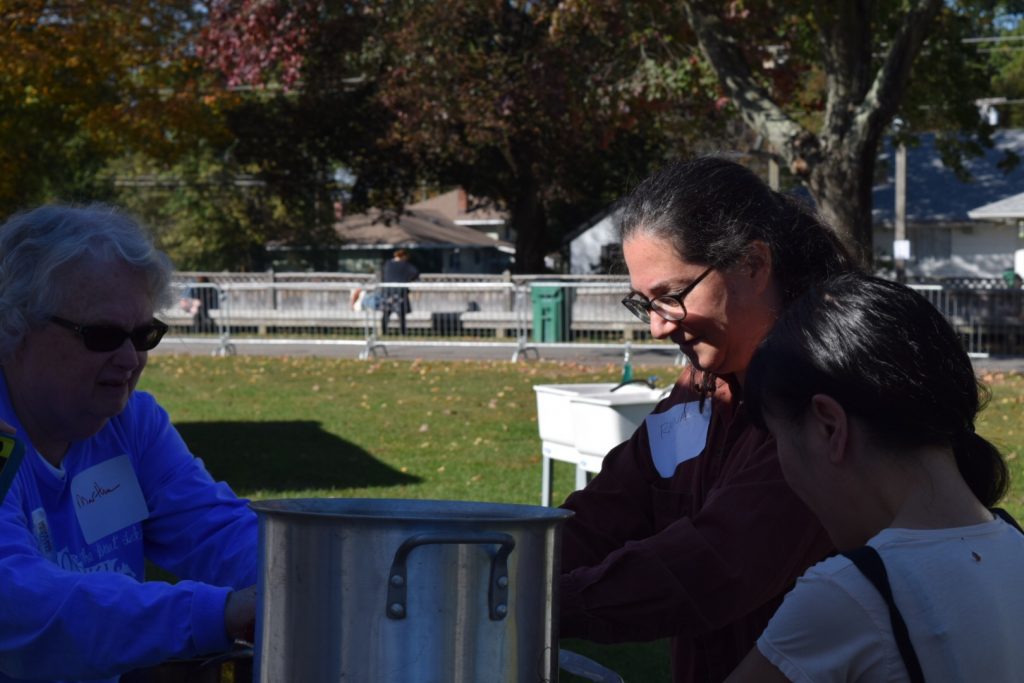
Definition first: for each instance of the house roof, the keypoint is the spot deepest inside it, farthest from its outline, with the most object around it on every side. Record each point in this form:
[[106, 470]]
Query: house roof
[[1010, 208], [462, 209], [412, 228], [934, 194]]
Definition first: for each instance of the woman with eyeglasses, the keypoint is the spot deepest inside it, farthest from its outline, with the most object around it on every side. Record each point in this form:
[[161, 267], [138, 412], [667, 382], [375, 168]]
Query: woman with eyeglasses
[[689, 531], [106, 482], [872, 400]]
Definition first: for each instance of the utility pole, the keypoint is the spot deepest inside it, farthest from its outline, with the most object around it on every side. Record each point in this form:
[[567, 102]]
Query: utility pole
[[900, 245]]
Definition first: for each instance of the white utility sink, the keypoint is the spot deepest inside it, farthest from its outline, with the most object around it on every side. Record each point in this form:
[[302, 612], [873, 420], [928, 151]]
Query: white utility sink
[[604, 420], [580, 423], [554, 413]]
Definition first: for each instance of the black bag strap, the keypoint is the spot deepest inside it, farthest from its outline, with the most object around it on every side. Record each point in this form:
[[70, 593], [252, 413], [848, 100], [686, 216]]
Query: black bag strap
[[1006, 517], [870, 565]]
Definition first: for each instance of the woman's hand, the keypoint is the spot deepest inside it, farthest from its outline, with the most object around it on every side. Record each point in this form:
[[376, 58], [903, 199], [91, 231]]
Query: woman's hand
[[240, 614]]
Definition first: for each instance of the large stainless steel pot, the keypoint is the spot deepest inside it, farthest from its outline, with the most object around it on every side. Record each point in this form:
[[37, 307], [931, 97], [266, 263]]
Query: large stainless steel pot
[[407, 591]]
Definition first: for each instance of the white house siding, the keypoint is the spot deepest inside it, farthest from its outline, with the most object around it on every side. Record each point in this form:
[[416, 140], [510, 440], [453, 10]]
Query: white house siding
[[585, 249], [972, 249], [944, 241]]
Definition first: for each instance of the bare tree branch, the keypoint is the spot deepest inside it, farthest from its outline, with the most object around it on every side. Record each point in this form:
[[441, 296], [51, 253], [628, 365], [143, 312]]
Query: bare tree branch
[[882, 101]]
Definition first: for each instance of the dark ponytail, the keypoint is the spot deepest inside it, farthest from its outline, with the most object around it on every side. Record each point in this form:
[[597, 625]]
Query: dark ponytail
[[980, 463], [888, 356]]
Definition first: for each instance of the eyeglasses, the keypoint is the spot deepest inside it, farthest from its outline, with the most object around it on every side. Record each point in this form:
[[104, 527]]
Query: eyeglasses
[[669, 306], [104, 338]]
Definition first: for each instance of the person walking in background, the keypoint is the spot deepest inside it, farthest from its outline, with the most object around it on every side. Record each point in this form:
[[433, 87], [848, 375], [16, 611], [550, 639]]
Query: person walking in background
[[107, 483], [872, 401], [690, 531], [396, 299]]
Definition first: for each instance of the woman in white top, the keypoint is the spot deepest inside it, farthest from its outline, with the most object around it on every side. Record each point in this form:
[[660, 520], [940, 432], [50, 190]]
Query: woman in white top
[[872, 401]]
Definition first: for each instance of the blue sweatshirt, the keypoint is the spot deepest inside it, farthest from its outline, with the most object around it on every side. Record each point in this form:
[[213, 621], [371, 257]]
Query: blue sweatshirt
[[74, 605]]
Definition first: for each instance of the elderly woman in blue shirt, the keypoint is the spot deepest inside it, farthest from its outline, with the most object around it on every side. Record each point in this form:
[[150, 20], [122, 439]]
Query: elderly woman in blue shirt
[[106, 482]]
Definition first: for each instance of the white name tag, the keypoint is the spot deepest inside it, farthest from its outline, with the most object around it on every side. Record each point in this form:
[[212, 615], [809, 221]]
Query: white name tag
[[676, 435], [107, 498]]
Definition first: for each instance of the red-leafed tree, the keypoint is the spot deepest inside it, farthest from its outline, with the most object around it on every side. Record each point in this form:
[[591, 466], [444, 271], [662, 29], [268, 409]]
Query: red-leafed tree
[[537, 105]]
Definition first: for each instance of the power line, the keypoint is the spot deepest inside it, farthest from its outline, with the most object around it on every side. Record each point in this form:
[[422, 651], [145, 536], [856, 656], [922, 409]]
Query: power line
[[993, 39]]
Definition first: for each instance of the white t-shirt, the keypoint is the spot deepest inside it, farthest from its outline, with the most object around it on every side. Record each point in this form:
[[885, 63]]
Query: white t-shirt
[[960, 592]]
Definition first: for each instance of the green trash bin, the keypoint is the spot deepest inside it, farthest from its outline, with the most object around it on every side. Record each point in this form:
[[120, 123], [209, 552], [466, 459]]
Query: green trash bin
[[551, 313]]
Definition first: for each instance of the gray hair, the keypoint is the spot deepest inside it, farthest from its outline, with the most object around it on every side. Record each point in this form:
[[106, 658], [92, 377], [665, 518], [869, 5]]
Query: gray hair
[[36, 245]]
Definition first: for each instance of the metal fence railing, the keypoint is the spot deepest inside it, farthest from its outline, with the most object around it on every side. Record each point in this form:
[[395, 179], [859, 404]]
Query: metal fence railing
[[523, 314], [989, 320]]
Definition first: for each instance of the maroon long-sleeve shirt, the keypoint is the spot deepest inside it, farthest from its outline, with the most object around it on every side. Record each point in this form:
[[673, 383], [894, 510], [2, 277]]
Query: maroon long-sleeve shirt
[[703, 556]]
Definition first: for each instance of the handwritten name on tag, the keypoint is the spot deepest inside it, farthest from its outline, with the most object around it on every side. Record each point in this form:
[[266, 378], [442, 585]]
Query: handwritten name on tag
[[107, 498], [677, 435]]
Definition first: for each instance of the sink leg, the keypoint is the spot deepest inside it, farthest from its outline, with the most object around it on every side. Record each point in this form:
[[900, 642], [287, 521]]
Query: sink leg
[[581, 477], [547, 465]]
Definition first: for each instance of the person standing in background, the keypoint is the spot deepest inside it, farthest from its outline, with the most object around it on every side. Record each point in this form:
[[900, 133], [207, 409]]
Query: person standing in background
[[199, 300], [396, 299]]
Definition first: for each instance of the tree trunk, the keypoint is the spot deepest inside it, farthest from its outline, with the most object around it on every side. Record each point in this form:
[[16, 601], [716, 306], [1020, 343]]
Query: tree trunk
[[838, 161], [527, 213], [841, 183], [529, 221]]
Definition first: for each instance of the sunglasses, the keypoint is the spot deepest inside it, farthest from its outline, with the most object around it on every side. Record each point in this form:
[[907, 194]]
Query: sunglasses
[[104, 338]]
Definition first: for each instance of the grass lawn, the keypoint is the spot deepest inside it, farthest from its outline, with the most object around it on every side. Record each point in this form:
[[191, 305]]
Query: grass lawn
[[299, 427]]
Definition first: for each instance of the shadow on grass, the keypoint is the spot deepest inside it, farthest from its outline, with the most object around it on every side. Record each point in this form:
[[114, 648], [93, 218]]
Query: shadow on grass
[[284, 456], [631, 661]]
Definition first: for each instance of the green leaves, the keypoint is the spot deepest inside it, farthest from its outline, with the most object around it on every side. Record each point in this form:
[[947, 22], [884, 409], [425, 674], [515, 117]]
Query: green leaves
[[82, 82]]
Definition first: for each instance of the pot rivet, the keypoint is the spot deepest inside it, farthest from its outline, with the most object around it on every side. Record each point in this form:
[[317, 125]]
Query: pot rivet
[[396, 610], [503, 582], [501, 610], [397, 580]]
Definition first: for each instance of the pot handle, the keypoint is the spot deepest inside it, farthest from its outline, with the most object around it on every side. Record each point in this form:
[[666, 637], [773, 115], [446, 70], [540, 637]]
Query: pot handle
[[497, 595]]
